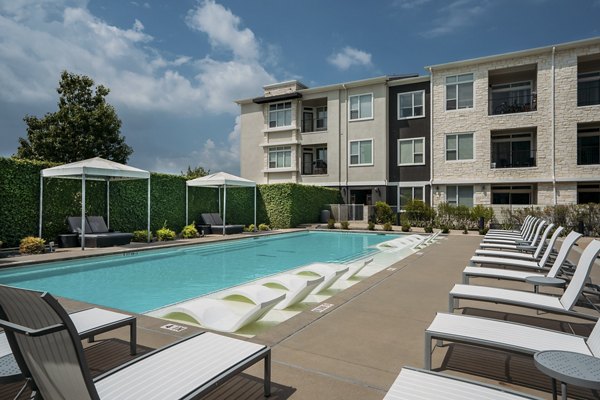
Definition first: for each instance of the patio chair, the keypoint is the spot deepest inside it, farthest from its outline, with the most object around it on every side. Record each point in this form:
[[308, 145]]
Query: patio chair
[[557, 305], [231, 311], [517, 263], [49, 352], [417, 384], [503, 273], [520, 231], [292, 286], [524, 252], [97, 233], [530, 239], [216, 224], [539, 241], [505, 335]]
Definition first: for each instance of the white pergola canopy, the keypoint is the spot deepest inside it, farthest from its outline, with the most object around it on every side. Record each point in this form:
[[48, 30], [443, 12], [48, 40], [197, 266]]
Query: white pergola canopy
[[219, 180], [96, 169]]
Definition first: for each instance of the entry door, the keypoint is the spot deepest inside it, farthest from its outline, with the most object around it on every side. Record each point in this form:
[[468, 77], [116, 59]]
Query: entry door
[[307, 164], [307, 121]]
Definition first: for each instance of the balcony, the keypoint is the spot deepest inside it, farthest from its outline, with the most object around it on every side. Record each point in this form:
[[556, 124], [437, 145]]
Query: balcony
[[314, 115], [512, 90], [314, 124], [513, 149], [314, 160], [516, 159]]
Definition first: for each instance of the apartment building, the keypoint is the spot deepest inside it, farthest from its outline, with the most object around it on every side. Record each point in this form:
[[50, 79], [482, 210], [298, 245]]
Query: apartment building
[[333, 136], [518, 128], [521, 128]]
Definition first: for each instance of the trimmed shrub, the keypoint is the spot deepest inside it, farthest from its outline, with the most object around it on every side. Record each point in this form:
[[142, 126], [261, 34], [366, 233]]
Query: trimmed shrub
[[428, 229], [387, 226], [405, 224], [345, 225], [189, 231], [249, 228], [32, 245], [331, 223], [141, 236], [371, 226], [445, 229], [418, 213], [264, 227], [383, 213], [164, 233]]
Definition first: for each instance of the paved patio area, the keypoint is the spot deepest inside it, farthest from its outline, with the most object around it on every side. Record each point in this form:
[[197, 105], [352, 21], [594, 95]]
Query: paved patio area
[[355, 349]]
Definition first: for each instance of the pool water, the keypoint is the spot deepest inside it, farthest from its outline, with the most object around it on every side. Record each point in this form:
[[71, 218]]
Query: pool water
[[143, 281]]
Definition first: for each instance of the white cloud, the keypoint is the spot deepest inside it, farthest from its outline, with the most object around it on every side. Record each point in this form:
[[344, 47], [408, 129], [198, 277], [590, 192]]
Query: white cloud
[[222, 28], [349, 57], [409, 4], [455, 16]]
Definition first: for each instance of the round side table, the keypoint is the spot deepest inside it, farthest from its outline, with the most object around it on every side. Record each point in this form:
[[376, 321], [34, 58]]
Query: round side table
[[569, 368], [538, 281]]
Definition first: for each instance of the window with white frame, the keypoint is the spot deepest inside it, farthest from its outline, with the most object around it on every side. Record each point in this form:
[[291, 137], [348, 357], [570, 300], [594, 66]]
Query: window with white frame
[[459, 146], [459, 195], [411, 151], [361, 106], [280, 157], [411, 105], [280, 114], [408, 194], [459, 91], [361, 152]]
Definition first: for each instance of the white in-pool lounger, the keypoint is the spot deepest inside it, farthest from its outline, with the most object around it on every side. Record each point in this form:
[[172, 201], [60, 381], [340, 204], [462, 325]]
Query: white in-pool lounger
[[556, 305], [294, 287], [402, 242], [330, 272], [417, 384], [234, 309]]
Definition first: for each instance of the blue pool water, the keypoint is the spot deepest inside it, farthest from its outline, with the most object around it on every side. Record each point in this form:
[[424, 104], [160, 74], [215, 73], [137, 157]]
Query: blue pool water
[[140, 282]]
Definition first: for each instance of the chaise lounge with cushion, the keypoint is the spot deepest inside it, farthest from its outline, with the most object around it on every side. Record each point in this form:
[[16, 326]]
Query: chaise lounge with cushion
[[97, 233], [216, 224]]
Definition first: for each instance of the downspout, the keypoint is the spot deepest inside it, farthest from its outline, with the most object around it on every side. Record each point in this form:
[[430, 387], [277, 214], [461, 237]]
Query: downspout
[[346, 141], [553, 129], [431, 136]]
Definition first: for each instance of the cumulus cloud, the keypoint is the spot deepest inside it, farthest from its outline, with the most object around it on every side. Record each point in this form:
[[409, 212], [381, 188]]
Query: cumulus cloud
[[349, 57], [410, 4]]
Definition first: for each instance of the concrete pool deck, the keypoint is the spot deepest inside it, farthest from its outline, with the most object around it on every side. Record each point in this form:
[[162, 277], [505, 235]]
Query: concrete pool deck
[[356, 348]]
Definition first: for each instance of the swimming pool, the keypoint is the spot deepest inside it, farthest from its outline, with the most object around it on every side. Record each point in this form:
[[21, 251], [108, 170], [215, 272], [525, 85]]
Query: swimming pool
[[143, 281]]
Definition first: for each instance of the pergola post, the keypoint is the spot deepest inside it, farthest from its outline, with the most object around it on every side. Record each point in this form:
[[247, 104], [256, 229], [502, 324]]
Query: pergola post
[[148, 202], [220, 200], [224, 206], [186, 203], [41, 203], [255, 227], [82, 211], [108, 203]]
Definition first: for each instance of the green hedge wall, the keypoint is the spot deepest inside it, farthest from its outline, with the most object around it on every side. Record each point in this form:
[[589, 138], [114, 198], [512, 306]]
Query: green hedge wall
[[279, 205]]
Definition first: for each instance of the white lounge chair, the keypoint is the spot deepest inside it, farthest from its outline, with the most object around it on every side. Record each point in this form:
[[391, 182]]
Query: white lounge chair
[[527, 235], [294, 288], [503, 273], [536, 246], [505, 335], [557, 305], [331, 272], [235, 308], [47, 346], [529, 240], [566, 246], [524, 252], [520, 231], [417, 384]]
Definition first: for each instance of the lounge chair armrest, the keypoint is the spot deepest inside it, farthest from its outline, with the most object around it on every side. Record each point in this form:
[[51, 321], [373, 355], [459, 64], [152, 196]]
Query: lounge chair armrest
[[9, 326]]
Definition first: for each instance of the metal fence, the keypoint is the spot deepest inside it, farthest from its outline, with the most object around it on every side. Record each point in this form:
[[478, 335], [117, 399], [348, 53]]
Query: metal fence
[[347, 212]]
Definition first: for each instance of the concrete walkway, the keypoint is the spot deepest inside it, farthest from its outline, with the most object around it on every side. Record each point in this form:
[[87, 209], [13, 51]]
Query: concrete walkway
[[356, 348]]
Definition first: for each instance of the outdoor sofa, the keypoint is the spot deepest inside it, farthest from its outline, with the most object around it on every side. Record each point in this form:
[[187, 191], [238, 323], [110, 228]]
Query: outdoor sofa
[[97, 233], [216, 224]]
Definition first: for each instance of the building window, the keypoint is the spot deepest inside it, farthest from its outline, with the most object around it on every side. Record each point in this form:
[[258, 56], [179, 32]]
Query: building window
[[361, 152], [588, 193], [459, 146], [411, 151], [280, 114], [459, 91], [588, 88], [314, 160], [411, 105], [514, 97], [588, 146], [280, 157], [361, 106], [408, 194], [459, 195], [521, 194], [512, 150]]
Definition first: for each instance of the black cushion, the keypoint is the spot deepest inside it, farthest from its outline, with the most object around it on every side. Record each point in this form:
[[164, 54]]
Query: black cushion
[[97, 224]]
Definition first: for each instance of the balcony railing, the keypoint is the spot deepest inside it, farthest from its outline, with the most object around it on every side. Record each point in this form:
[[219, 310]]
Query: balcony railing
[[314, 124], [512, 103], [318, 167], [588, 95], [588, 155], [517, 159]]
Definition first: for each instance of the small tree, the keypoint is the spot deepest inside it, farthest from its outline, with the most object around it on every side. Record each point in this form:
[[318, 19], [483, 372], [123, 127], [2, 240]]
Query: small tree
[[84, 126], [193, 173], [383, 212]]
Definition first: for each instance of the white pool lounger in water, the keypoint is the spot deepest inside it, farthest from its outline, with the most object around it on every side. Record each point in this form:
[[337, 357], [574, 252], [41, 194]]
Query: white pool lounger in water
[[330, 272], [294, 287], [235, 308]]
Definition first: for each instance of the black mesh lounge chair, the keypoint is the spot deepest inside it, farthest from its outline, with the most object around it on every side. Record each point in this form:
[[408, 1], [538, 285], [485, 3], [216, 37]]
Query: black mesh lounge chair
[[97, 233], [49, 352], [216, 224]]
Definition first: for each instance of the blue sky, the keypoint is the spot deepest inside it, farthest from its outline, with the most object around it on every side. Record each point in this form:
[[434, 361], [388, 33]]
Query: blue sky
[[175, 67]]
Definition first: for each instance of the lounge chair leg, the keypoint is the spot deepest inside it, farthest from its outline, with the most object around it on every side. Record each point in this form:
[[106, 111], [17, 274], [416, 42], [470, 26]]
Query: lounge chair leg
[[91, 339], [465, 279], [427, 364], [133, 337], [452, 304], [267, 379]]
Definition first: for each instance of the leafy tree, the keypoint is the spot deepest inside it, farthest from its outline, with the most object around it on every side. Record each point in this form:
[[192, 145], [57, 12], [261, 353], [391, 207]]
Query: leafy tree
[[193, 173], [84, 126]]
